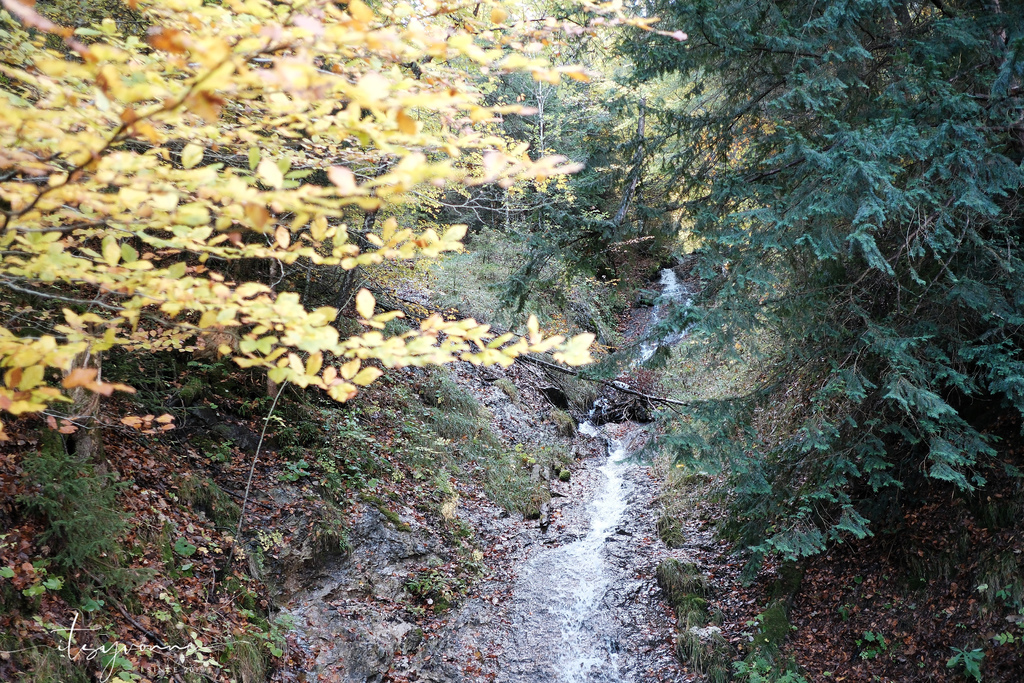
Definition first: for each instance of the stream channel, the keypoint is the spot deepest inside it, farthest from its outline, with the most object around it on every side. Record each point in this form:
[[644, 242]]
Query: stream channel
[[571, 611], [577, 602]]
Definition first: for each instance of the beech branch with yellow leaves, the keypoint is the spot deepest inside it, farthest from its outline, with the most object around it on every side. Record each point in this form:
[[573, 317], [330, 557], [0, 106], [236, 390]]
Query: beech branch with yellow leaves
[[114, 198]]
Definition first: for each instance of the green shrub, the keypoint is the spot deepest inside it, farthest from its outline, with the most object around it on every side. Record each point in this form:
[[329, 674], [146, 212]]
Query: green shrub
[[330, 537], [970, 660], [79, 505], [758, 668], [440, 391], [247, 661], [438, 586], [680, 580], [706, 653], [670, 531]]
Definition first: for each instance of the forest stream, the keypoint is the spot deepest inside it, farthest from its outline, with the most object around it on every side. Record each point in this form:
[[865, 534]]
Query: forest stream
[[391, 341], [578, 604]]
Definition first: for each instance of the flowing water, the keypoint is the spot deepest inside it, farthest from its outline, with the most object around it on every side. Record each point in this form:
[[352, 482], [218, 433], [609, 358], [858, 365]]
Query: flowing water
[[560, 591], [562, 626], [672, 292]]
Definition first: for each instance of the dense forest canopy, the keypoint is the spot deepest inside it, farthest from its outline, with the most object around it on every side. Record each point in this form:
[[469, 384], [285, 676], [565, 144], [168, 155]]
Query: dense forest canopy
[[852, 174]]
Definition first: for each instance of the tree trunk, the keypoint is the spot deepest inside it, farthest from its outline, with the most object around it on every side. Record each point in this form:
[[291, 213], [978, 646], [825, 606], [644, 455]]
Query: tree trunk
[[86, 442], [633, 179]]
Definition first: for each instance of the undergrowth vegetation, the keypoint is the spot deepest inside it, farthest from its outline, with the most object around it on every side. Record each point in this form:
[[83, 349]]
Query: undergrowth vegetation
[[475, 283]]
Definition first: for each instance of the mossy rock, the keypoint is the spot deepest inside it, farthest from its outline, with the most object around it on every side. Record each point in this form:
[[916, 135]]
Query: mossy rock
[[679, 580], [509, 389], [670, 531], [691, 602], [788, 582], [774, 628], [389, 514], [534, 506], [564, 475], [647, 297], [195, 389], [691, 617], [564, 424], [202, 493]]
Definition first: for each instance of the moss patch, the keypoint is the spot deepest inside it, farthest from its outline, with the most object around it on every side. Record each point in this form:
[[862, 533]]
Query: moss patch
[[509, 389], [202, 493], [679, 580], [383, 509], [670, 531], [564, 424]]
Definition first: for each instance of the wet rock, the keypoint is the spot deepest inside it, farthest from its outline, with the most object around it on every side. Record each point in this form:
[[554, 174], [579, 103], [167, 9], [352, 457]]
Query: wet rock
[[360, 649], [344, 614]]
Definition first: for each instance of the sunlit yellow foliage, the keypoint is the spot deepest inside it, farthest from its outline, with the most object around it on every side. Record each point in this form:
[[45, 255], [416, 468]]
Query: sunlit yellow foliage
[[131, 169]]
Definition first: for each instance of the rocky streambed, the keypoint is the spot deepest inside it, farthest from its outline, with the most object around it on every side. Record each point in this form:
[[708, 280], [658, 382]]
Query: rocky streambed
[[582, 603], [577, 602], [569, 597]]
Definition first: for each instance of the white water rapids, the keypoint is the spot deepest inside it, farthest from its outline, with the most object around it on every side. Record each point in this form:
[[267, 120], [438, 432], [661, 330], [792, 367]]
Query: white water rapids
[[564, 587]]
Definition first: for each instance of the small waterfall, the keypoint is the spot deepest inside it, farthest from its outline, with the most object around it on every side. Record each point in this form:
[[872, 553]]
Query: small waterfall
[[672, 291]]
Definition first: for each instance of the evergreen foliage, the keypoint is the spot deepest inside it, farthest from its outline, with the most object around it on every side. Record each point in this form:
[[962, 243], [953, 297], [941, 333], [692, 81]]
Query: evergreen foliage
[[79, 503], [852, 174]]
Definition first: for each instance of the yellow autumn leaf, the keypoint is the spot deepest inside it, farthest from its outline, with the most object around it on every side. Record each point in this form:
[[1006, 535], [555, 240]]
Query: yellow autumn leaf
[[366, 376], [270, 174], [111, 250], [349, 369], [330, 374], [191, 155], [282, 237], [314, 363], [343, 179], [342, 392], [406, 123], [533, 328], [365, 304], [360, 11]]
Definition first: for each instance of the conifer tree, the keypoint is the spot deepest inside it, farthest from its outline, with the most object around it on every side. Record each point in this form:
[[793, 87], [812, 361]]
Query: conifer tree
[[852, 173]]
